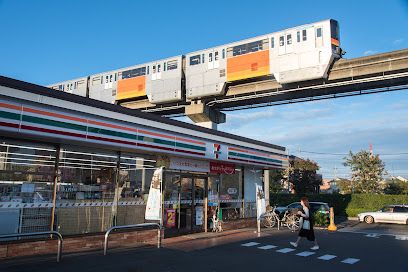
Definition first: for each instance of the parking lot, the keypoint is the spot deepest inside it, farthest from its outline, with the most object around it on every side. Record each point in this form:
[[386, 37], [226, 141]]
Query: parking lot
[[243, 250]]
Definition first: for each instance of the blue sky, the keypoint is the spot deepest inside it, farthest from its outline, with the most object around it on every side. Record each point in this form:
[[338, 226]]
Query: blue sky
[[49, 41]]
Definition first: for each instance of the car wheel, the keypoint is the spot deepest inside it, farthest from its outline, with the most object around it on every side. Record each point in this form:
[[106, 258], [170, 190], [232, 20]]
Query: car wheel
[[369, 219]]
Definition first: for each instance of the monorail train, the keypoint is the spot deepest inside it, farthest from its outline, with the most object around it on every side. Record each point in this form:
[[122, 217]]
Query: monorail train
[[297, 54]]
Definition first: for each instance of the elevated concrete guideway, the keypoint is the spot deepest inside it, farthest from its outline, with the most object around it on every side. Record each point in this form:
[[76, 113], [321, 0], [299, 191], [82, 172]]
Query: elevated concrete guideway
[[370, 74]]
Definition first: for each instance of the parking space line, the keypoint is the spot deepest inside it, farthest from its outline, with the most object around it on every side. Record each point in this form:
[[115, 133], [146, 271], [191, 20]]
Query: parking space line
[[250, 244], [267, 247], [350, 260], [285, 250], [305, 253], [327, 257]]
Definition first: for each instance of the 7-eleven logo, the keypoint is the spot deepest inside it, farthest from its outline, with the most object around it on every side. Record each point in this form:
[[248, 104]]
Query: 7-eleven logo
[[217, 150]]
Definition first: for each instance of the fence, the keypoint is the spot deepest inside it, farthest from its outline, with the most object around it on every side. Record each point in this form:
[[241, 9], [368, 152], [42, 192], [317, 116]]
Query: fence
[[93, 217]]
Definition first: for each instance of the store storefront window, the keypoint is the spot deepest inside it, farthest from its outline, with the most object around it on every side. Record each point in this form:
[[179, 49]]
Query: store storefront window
[[86, 174], [231, 195], [26, 172]]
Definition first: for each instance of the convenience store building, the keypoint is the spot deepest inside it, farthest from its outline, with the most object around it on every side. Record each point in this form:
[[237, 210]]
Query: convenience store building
[[96, 160]]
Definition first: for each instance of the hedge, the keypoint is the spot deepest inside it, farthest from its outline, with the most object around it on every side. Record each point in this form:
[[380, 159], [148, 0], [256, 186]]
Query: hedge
[[345, 205]]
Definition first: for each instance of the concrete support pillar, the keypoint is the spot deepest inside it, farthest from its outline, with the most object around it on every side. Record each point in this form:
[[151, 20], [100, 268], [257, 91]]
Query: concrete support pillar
[[204, 116], [266, 186]]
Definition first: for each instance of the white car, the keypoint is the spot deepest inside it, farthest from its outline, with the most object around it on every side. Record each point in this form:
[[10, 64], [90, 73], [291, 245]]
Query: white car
[[397, 214]]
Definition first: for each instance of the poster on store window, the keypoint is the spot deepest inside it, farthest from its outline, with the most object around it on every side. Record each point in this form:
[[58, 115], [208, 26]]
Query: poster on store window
[[260, 201], [170, 218], [199, 215], [153, 205]]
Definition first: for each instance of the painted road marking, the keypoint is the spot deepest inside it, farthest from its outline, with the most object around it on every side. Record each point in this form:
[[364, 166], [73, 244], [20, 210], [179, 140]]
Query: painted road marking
[[250, 244], [401, 237], [267, 247], [350, 261], [305, 253], [327, 257], [285, 250], [373, 235]]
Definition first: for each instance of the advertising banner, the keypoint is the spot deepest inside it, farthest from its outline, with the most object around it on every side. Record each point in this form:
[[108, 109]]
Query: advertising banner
[[260, 201], [199, 215], [153, 205]]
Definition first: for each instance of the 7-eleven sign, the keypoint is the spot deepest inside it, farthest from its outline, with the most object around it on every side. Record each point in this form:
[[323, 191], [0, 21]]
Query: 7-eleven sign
[[217, 150]]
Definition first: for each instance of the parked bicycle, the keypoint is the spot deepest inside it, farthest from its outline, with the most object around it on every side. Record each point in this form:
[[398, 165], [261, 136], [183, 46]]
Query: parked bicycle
[[289, 219]]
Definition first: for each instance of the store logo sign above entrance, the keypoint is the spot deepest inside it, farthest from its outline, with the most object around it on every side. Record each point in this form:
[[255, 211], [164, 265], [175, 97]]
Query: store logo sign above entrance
[[188, 164], [217, 150], [222, 168]]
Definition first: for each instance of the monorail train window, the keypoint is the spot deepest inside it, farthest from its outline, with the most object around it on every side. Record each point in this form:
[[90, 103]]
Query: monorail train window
[[223, 53], [147, 70], [210, 57], [289, 39], [116, 76], [95, 81], [106, 79], [172, 65], [110, 78], [61, 87], [158, 68], [134, 72], [247, 48], [164, 66], [75, 85], [194, 60], [154, 69], [203, 58], [304, 35], [273, 42], [298, 36], [319, 32], [216, 55], [281, 41]]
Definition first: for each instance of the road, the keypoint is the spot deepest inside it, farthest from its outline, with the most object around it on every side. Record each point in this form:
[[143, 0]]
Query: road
[[239, 251]]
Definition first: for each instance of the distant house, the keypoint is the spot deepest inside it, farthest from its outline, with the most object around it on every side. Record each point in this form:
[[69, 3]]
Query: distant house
[[329, 186]]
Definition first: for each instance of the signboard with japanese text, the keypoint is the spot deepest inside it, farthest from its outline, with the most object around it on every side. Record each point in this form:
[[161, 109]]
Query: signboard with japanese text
[[188, 164]]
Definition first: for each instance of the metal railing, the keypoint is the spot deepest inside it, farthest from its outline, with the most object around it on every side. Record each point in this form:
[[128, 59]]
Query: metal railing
[[56, 233], [142, 226]]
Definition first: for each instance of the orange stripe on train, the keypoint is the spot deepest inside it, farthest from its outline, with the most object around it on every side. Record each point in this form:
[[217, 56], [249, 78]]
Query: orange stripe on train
[[131, 87], [248, 65], [335, 42]]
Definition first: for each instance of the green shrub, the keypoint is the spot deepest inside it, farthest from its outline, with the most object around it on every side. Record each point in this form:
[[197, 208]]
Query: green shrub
[[345, 205], [320, 219]]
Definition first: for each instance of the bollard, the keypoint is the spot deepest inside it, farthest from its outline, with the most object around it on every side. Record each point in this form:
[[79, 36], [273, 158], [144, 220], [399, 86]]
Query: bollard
[[332, 226]]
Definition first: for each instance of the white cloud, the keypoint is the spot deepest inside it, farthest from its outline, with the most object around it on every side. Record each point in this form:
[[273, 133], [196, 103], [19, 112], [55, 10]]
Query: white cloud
[[397, 41], [369, 52]]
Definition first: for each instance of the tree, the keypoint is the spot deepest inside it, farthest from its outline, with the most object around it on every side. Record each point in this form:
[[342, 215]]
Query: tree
[[302, 175], [367, 172], [397, 187], [275, 181]]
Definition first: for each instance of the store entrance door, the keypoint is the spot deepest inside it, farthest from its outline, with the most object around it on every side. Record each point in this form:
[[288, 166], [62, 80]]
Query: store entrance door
[[185, 202], [192, 194]]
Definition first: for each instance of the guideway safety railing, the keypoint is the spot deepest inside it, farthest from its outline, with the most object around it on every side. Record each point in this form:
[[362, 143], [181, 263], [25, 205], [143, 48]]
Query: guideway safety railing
[[56, 233], [137, 226]]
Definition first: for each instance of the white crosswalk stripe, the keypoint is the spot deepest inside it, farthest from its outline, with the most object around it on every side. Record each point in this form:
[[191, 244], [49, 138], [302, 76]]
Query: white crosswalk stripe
[[267, 247], [250, 244], [305, 253], [327, 257], [285, 250], [350, 260]]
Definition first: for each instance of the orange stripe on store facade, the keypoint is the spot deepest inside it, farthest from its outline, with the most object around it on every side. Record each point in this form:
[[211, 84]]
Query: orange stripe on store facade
[[248, 65], [131, 87]]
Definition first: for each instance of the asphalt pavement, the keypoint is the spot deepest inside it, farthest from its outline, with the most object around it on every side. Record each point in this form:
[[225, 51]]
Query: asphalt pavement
[[240, 251]]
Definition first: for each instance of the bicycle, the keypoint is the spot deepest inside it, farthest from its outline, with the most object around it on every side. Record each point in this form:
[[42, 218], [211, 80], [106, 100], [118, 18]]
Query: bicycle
[[289, 219]]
